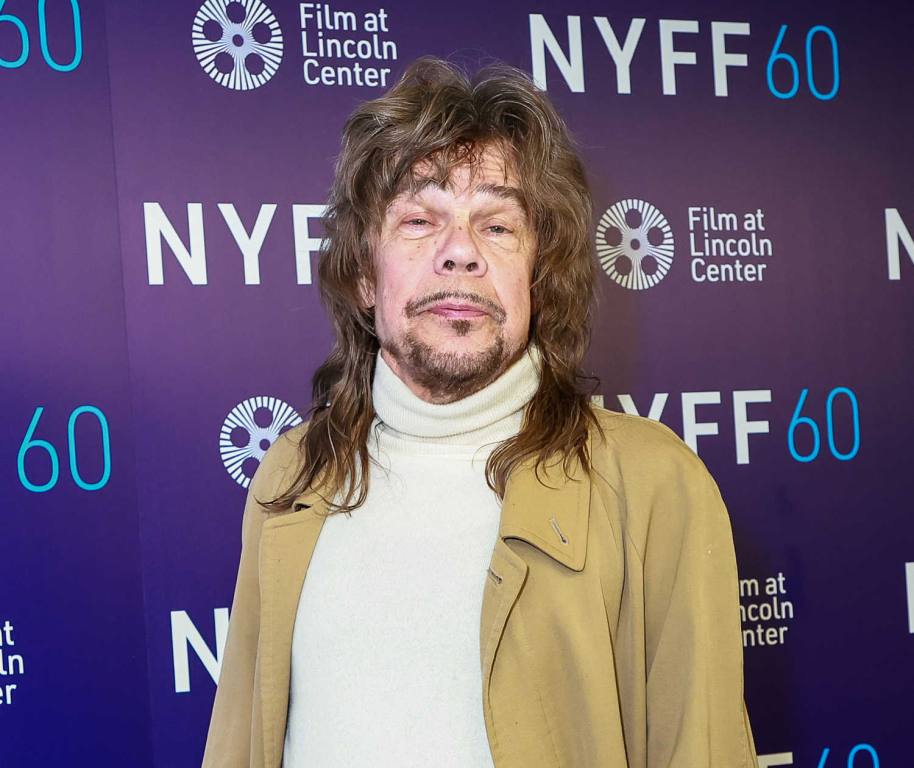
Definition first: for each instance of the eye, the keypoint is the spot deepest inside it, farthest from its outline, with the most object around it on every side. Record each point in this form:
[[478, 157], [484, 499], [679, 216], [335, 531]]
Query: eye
[[499, 229], [416, 221]]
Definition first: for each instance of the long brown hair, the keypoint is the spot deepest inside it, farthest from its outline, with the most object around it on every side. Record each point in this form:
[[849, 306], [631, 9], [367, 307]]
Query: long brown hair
[[437, 114]]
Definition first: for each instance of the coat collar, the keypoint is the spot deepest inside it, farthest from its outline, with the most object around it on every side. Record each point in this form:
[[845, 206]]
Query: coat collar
[[544, 507], [549, 510]]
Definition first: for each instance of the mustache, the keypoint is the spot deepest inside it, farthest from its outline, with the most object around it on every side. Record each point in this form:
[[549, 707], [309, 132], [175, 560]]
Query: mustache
[[413, 308]]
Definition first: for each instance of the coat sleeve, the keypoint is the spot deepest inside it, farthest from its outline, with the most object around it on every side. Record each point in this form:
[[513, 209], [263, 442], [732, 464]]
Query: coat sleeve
[[695, 707], [228, 741]]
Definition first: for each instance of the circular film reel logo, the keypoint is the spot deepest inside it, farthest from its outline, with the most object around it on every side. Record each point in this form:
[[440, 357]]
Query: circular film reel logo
[[238, 42], [635, 244], [249, 430]]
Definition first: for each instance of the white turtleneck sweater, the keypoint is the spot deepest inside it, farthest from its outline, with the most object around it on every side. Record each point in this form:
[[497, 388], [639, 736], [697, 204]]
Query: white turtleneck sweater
[[385, 652]]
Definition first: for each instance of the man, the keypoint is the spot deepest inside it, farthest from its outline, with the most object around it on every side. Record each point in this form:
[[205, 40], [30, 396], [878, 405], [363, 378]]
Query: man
[[459, 561]]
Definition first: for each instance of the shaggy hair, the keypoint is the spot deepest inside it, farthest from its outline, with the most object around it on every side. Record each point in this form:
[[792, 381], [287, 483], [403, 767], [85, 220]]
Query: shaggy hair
[[438, 115]]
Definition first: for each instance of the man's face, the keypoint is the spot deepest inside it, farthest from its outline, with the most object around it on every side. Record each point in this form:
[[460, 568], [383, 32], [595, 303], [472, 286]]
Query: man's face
[[453, 268]]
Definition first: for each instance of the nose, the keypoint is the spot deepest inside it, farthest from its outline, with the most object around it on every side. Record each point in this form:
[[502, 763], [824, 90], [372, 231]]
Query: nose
[[459, 254]]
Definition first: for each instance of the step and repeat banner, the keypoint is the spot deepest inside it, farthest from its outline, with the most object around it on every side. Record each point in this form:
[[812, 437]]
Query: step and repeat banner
[[164, 169]]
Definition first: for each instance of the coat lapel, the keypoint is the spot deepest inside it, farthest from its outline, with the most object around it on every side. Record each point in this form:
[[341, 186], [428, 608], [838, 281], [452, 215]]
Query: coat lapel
[[286, 545], [548, 511]]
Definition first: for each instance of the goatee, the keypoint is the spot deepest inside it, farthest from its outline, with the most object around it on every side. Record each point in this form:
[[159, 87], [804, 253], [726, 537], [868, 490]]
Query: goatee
[[447, 376]]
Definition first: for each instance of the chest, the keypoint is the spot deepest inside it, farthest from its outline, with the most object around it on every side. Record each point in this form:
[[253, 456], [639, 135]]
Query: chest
[[408, 567], [552, 684]]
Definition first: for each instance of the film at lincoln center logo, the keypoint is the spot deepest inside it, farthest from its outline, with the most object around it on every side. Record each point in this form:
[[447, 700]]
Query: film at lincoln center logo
[[238, 42], [249, 430], [634, 244]]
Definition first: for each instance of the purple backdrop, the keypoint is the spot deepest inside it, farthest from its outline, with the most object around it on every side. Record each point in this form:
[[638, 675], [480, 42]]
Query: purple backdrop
[[751, 169]]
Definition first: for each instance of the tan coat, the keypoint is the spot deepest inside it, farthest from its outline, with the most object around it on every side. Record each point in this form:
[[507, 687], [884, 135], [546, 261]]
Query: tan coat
[[610, 628]]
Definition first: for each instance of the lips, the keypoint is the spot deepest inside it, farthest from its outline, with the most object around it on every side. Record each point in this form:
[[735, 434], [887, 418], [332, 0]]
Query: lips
[[456, 310]]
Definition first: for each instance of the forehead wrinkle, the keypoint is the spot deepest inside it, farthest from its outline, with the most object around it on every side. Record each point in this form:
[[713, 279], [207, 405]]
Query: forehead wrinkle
[[412, 186], [502, 192], [418, 186], [486, 189]]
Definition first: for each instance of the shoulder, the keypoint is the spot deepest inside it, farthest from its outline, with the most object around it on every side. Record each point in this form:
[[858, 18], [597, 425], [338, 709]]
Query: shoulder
[[659, 482], [278, 467], [640, 446], [279, 463]]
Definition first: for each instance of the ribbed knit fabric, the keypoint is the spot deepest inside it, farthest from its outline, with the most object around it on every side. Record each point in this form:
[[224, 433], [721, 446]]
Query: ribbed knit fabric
[[386, 651]]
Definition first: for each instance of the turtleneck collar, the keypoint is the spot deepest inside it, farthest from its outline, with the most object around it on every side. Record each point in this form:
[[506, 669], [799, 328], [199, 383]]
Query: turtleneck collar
[[492, 414]]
